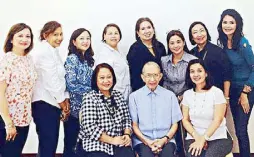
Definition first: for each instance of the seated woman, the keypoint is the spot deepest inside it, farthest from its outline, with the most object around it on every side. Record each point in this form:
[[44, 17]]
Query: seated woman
[[203, 108], [105, 127]]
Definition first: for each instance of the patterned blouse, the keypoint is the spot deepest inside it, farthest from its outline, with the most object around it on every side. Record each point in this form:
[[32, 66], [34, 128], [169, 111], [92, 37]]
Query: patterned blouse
[[20, 75], [174, 74], [78, 80], [96, 118]]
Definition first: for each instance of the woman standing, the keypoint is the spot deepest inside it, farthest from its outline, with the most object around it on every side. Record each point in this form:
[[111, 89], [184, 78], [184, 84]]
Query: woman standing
[[105, 128], [50, 96], [110, 54], [213, 56], [146, 48], [241, 57], [17, 79], [174, 67], [78, 76], [203, 109]]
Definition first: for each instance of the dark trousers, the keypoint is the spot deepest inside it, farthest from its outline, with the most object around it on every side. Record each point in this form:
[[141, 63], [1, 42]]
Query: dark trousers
[[216, 148], [241, 119], [47, 121], [71, 130], [145, 151], [13, 148], [118, 152]]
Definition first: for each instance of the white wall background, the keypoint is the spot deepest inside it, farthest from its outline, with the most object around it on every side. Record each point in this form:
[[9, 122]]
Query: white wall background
[[95, 14]]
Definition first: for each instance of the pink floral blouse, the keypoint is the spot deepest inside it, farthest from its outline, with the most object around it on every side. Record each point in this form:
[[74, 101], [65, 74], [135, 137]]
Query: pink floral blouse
[[20, 75]]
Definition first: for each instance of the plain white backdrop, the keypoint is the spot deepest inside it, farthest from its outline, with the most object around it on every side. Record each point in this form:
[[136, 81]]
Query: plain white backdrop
[[95, 14]]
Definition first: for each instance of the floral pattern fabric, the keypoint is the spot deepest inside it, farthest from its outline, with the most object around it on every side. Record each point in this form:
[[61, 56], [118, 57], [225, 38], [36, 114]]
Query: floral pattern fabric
[[20, 75], [78, 81]]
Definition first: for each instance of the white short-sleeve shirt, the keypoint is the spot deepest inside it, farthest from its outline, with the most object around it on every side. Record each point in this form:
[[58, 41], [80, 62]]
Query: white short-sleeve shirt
[[201, 110]]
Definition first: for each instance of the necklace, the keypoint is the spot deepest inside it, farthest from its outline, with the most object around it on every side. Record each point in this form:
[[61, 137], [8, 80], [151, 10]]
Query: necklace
[[204, 55], [148, 46], [197, 101], [196, 54], [108, 104]]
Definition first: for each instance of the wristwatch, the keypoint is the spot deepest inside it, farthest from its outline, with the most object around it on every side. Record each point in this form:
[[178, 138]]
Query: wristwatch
[[206, 137]]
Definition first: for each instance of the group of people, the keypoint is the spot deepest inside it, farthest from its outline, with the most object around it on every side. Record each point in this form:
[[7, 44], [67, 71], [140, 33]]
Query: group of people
[[150, 102]]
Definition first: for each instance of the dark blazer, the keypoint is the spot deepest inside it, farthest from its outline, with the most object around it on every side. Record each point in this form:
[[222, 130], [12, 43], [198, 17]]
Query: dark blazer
[[138, 56], [217, 63]]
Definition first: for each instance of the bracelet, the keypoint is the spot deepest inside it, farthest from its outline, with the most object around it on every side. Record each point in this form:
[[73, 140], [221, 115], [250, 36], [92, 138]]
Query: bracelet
[[227, 98], [166, 137], [9, 126], [245, 92]]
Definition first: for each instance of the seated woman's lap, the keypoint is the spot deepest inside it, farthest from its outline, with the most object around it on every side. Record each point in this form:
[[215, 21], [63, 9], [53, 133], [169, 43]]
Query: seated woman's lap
[[218, 148]]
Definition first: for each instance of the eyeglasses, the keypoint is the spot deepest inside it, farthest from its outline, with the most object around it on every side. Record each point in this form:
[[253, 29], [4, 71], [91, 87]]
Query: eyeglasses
[[149, 76]]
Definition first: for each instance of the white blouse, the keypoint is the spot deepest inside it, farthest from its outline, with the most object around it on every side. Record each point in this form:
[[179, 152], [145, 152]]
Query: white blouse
[[120, 65], [50, 85], [201, 111]]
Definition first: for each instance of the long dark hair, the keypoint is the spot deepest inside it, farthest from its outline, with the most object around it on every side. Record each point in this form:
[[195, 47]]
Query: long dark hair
[[188, 81], [180, 35], [190, 34], [95, 76], [88, 56], [13, 30], [223, 39]]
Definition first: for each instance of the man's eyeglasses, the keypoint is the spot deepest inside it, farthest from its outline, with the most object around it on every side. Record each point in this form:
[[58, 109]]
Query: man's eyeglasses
[[149, 76]]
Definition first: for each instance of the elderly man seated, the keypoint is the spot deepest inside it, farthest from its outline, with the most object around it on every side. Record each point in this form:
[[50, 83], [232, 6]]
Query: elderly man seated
[[155, 112]]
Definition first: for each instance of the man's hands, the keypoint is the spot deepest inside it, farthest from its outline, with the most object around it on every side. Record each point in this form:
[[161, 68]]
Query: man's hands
[[157, 144]]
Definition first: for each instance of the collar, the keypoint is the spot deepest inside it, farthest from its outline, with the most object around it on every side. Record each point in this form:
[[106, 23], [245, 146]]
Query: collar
[[204, 49], [147, 91], [49, 46], [184, 58], [109, 47]]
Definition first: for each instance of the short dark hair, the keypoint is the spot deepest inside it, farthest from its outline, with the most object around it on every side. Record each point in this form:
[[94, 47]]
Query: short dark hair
[[137, 27], [180, 35], [188, 81], [222, 40], [190, 34], [15, 29], [73, 49], [49, 28], [95, 76], [106, 29]]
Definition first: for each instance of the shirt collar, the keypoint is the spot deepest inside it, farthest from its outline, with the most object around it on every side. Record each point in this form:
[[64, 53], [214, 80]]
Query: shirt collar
[[49, 46], [204, 49], [109, 47], [147, 91], [184, 58]]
